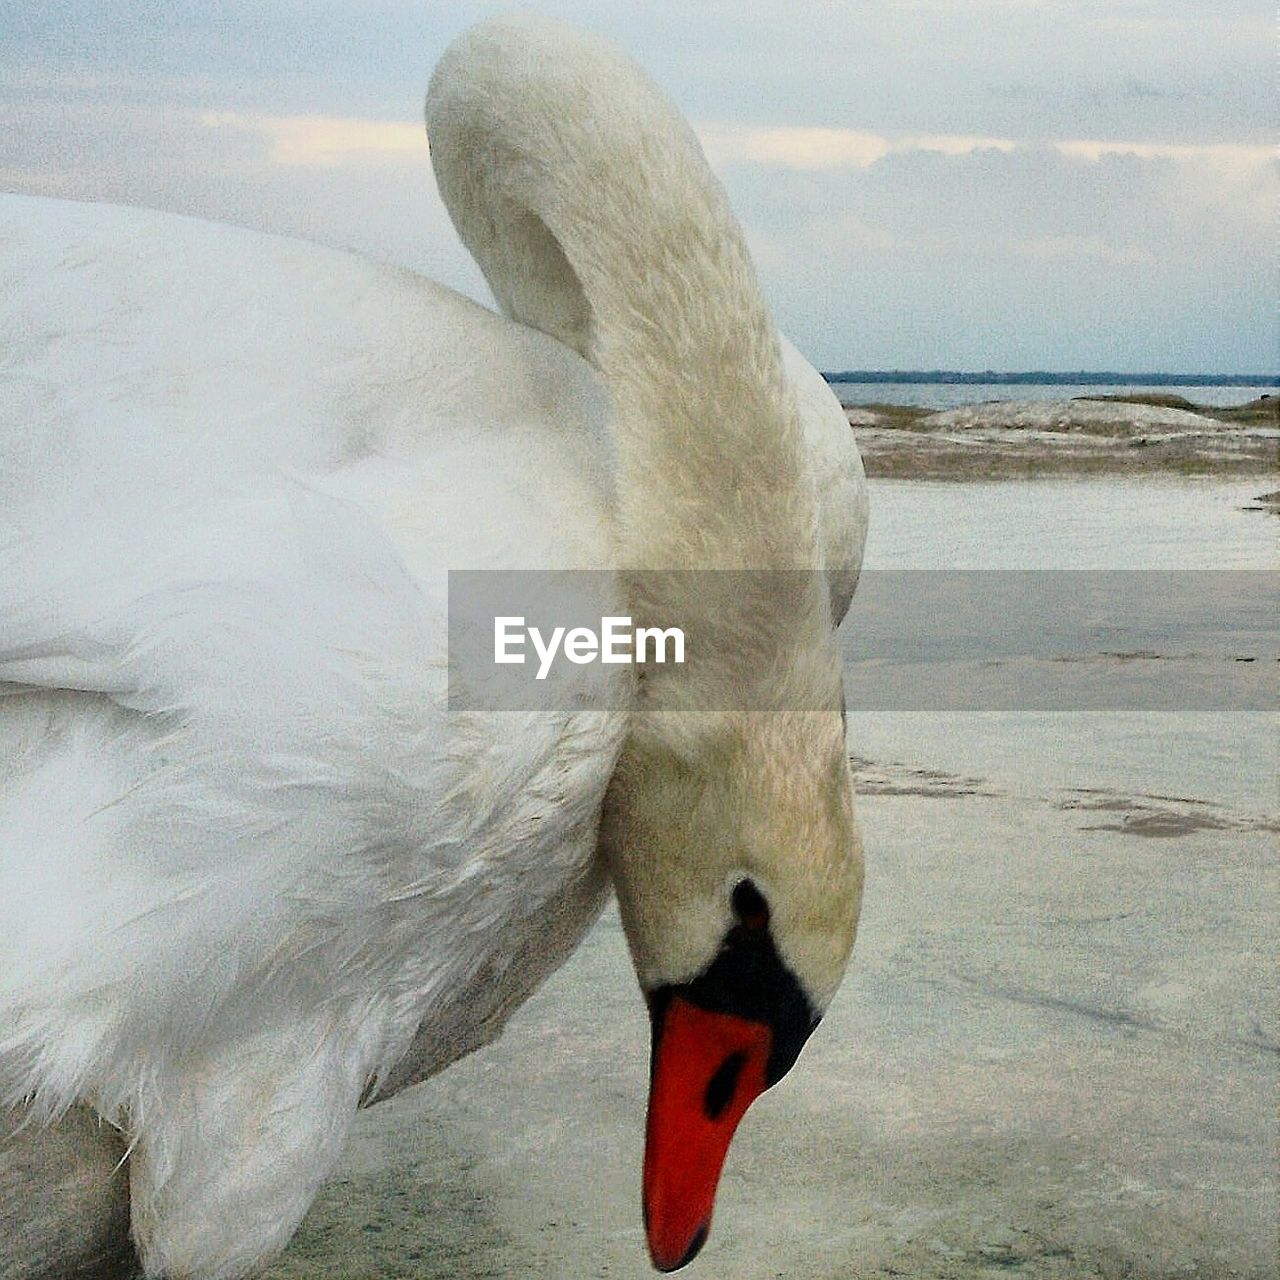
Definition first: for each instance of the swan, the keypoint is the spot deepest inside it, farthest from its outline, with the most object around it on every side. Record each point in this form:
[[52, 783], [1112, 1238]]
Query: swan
[[262, 862]]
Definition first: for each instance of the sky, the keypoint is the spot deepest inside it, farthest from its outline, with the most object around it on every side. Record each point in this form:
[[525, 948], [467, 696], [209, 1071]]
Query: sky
[[961, 184]]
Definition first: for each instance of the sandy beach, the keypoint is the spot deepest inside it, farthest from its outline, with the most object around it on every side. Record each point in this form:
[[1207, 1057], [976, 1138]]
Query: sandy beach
[[1056, 1057], [1058, 1051], [1010, 439]]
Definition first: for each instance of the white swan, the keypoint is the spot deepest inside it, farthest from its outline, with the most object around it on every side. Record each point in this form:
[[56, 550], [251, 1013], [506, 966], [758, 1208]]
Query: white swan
[[255, 871]]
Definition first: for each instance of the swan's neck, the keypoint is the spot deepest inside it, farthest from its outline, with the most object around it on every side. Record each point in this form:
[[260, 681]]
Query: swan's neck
[[708, 433], [588, 204]]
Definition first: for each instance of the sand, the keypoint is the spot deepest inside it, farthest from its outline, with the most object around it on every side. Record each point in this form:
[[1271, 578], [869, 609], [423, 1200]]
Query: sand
[[1021, 438], [1056, 1056]]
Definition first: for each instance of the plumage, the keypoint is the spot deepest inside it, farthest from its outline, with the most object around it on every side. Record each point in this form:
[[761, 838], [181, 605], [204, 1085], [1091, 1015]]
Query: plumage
[[256, 869]]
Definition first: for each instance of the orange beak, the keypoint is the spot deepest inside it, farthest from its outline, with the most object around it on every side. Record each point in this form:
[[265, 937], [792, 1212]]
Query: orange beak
[[707, 1070]]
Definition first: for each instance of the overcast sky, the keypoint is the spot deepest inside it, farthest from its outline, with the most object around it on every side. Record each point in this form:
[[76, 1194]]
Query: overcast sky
[[970, 184]]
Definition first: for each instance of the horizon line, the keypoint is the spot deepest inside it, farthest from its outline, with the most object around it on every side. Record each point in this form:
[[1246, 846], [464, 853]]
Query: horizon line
[[1112, 376]]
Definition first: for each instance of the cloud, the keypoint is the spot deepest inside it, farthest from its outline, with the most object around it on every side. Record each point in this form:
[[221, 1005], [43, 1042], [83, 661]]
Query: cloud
[[323, 141], [791, 148], [998, 183], [1238, 161], [1082, 249], [821, 148], [337, 183], [1172, 69], [1025, 257], [814, 148]]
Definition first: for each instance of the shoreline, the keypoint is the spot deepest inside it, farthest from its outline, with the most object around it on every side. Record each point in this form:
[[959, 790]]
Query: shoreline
[[1089, 436]]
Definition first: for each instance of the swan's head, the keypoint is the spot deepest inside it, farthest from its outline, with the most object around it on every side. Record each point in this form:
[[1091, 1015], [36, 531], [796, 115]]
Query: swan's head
[[738, 868]]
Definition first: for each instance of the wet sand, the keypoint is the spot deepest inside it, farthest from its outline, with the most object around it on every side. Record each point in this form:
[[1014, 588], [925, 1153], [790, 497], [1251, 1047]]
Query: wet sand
[[1057, 1056]]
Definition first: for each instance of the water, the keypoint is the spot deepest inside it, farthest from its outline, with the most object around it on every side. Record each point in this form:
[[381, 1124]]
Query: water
[[1072, 523], [1223, 759], [951, 395]]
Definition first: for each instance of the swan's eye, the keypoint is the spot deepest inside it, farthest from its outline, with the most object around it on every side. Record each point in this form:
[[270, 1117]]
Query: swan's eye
[[749, 906]]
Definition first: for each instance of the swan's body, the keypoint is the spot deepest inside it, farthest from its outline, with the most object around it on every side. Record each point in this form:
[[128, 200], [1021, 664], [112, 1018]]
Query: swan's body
[[227, 756], [254, 869]]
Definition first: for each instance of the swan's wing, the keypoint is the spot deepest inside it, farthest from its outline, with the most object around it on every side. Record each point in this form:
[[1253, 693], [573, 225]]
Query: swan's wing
[[217, 353], [839, 480], [182, 403], [238, 609], [218, 756], [226, 516]]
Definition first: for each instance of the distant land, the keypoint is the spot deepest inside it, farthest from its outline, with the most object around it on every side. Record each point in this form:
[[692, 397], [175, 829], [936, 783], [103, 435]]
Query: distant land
[[1089, 378]]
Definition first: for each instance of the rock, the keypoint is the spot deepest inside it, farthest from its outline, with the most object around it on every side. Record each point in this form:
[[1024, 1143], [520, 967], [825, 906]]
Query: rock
[[1092, 417]]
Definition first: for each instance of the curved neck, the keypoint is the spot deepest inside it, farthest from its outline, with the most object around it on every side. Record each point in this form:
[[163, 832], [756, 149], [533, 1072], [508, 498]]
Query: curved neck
[[589, 206]]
